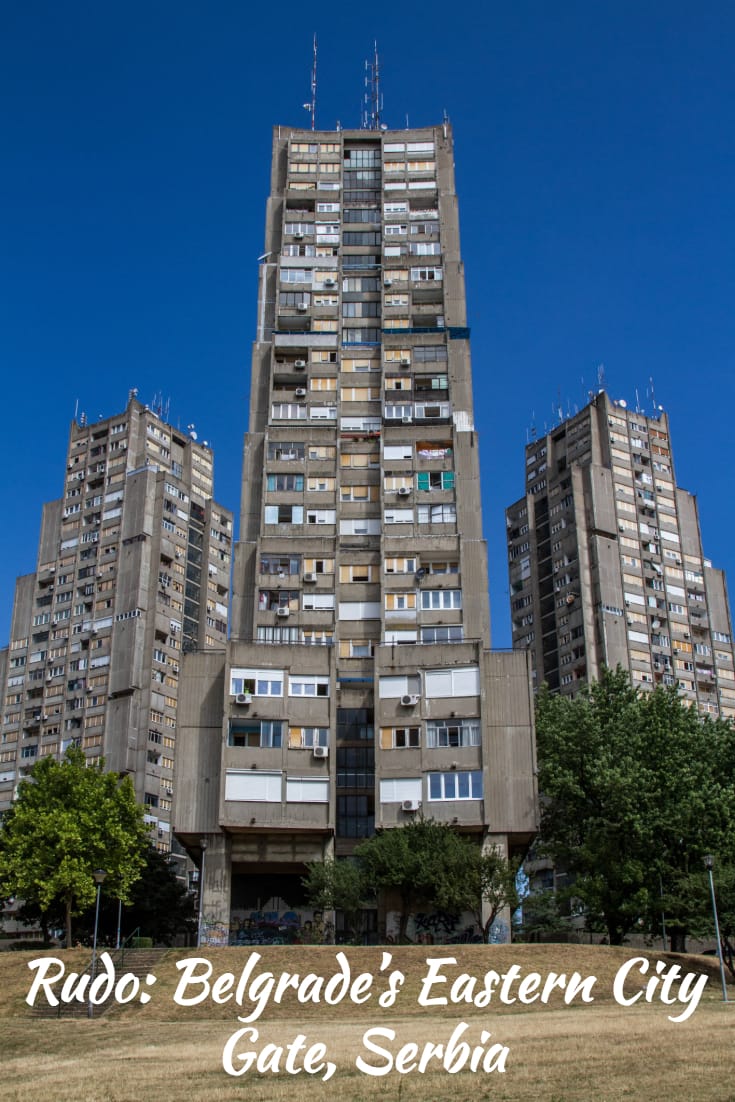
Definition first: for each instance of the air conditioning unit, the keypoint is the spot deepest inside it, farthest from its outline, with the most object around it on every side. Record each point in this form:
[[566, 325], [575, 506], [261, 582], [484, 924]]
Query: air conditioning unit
[[407, 420], [387, 282], [300, 392], [298, 237], [404, 491], [302, 307], [283, 612], [243, 698], [410, 805], [321, 752], [169, 791], [310, 577], [299, 364], [330, 282], [405, 361], [409, 700]]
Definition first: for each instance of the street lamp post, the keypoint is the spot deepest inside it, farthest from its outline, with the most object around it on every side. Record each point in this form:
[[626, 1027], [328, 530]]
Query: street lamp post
[[203, 847], [99, 878], [709, 862]]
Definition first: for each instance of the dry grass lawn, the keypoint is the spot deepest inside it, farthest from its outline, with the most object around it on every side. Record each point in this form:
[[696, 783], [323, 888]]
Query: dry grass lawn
[[580, 1053]]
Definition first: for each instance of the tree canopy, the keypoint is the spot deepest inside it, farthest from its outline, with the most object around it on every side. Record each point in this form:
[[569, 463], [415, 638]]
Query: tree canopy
[[424, 865], [69, 819], [636, 788]]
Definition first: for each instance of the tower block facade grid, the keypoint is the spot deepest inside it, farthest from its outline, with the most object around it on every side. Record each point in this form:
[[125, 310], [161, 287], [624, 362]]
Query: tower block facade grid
[[133, 570], [607, 567], [358, 689]]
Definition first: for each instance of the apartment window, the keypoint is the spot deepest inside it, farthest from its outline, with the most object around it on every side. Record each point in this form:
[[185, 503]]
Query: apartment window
[[322, 382], [359, 610], [280, 482], [319, 566], [364, 526], [359, 394], [360, 460], [400, 738], [306, 738], [280, 565], [307, 790], [393, 686], [435, 480], [358, 572], [271, 599], [398, 516], [299, 685], [254, 733], [359, 493], [321, 516], [252, 786], [451, 634], [437, 514], [455, 785], [400, 566], [320, 484], [318, 637], [355, 648], [453, 682], [425, 248], [317, 602], [284, 514], [395, 790], [256, 682], [427, 275], [396, 602], [447, 732], [288, 411], [441, 598], [285, 450], [277, 634]]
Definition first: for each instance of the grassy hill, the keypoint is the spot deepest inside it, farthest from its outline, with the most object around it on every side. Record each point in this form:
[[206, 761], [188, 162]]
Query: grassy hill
[[555, 1052]]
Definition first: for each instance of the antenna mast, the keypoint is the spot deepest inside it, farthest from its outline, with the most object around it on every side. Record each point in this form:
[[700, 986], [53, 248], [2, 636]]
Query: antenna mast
[[373, 100], [311, 106]]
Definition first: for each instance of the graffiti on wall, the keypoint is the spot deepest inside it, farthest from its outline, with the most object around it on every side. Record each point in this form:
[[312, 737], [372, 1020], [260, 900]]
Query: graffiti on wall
[[285, 927], [439, 928]]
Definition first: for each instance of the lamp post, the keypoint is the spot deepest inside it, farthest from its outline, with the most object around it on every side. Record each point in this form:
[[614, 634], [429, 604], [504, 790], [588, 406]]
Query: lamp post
[[709, 862], [99, 878], [203, 847]]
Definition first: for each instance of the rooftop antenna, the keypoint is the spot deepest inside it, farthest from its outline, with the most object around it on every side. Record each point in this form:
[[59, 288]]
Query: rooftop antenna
[[373, 100], [653, 394], [311, 106], [601, 377]]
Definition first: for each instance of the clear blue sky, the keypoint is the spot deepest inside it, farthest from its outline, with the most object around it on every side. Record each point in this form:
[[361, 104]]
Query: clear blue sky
[[596, 181]]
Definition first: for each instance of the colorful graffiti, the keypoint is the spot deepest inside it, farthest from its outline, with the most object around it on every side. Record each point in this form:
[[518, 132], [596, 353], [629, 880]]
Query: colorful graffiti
[[439, 928], [286, 927]]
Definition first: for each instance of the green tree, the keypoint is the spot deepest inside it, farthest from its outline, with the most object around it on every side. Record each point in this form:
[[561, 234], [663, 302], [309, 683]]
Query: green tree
[[335, 885], [636, 788], [69, 819], [426, 864], [494, 885]]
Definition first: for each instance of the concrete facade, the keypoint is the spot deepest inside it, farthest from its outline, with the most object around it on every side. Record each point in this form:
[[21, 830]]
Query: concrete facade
[[133, 570], [358, 689], [606, 562]]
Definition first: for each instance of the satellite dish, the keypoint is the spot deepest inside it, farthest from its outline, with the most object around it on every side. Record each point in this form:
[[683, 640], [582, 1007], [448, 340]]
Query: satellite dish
[[622, 403], [193, 435]]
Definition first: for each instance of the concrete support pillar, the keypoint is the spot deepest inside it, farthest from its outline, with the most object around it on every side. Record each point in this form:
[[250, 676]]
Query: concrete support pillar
[[501, 925], [216, 890]]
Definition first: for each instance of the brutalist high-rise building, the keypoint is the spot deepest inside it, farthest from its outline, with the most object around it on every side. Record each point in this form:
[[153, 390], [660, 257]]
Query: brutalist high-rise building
[[359, 689], [133, 569], [607, 566]]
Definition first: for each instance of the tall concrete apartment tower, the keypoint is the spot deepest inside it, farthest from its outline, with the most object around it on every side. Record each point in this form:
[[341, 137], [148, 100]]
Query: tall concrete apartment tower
[[133, 569], [358, 690], [606, 562]]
